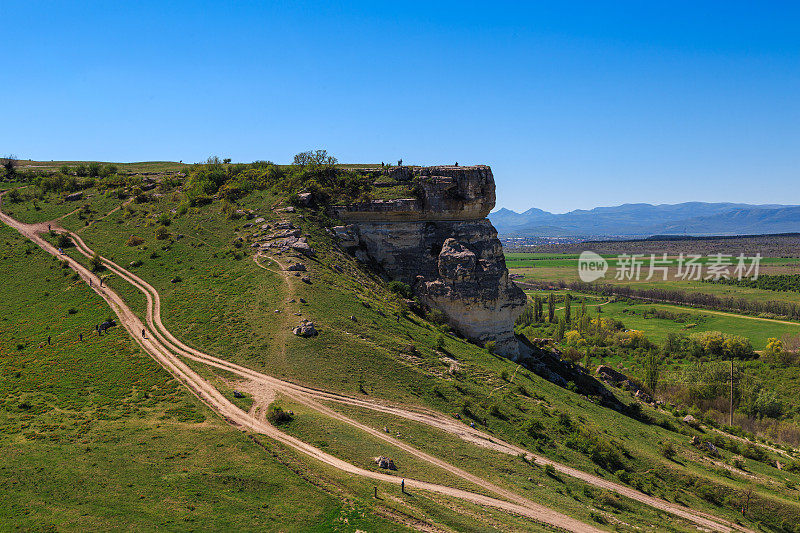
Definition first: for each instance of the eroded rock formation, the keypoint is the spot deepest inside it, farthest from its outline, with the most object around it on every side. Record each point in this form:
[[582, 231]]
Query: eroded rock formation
[[444, 247]]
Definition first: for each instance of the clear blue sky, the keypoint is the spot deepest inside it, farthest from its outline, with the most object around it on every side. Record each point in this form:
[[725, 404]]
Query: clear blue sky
[[574, 105]]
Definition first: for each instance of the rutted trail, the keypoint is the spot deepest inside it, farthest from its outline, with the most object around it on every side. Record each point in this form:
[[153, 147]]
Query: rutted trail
[[153, 345], [166, 349], [307, 395]]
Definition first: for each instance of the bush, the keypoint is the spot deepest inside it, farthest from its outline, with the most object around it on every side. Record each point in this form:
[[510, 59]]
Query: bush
[[277, 416], [495, 412], [162, 233], [14, 196], [436, 316], [440, 343], [134, 240], [668, 450], [63, 241], [96, 263], [534, 428], [490, 346], [400, 288]]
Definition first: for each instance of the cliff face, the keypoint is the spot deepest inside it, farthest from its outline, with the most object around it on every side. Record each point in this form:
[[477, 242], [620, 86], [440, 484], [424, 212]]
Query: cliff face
[[444, 247]]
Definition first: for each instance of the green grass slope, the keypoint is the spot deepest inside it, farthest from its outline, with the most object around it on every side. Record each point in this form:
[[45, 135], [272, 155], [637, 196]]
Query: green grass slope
[[215, 297]]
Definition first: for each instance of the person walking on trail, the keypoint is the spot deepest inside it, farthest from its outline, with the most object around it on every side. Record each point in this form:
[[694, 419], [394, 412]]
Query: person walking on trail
[[101, 282], [48, 227], [48, 339], [403, 486], [144, 334]]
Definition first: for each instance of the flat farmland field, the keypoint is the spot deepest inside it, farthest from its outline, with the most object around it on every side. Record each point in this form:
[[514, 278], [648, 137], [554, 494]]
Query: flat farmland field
[[548, 267], [638, 315]]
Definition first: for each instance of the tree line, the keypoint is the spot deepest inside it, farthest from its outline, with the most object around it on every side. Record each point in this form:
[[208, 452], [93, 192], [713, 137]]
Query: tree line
[[692, 299]]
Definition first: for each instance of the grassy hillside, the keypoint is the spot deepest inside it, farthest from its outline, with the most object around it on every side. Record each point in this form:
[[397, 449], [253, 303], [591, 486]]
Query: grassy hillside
[[216, 297], [95, 434]]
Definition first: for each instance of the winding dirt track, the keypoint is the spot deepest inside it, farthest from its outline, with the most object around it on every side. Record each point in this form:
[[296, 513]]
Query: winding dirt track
[[216, 401], [166, 349]]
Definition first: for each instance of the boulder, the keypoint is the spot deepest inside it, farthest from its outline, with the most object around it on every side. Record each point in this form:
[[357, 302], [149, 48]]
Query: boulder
[[304, 199], [303, 247], [612, 375], [74, 196], [643, 396], [385, 462], [285, 234], [305, 329], [692, 421], [297, 267]]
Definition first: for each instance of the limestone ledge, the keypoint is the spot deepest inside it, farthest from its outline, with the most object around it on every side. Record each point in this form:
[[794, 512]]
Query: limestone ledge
[[444, 193]]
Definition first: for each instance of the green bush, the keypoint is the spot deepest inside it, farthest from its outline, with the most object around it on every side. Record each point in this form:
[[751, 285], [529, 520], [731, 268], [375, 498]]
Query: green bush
[[277, 416], [134, 240], [436, 316], [63, 241], [96, 263], [162, 233], [400, 288], [668, 450]]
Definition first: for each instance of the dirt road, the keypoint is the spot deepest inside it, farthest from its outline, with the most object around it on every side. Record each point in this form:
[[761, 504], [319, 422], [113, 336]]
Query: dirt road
[[166, 349], [219, 403]]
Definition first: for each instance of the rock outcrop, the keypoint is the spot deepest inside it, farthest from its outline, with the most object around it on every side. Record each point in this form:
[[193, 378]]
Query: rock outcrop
[[444, 247]]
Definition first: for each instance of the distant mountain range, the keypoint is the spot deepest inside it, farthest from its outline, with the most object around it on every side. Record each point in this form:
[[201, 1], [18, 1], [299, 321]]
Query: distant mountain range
[[642, 220]]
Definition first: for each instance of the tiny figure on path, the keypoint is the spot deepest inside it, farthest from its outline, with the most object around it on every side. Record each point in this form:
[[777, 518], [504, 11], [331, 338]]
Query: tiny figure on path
[[90, 282], [403, 486], [101, 282], [61, 251], [48, 339], [143, 334], [376, 493], [48, 227]]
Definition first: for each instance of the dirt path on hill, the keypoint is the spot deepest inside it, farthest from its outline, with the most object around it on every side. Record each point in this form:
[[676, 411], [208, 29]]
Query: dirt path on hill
[[163, 346], [310, 396], [151, 343]]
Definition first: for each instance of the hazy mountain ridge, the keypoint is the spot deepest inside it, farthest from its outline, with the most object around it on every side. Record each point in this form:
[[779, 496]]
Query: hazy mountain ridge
[[690, 218]]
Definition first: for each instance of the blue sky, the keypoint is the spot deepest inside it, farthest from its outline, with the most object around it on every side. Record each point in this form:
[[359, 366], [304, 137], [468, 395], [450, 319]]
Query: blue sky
[[574, 105]]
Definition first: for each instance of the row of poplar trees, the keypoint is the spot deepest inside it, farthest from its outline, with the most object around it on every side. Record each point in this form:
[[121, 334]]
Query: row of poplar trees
[[534, 313]]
